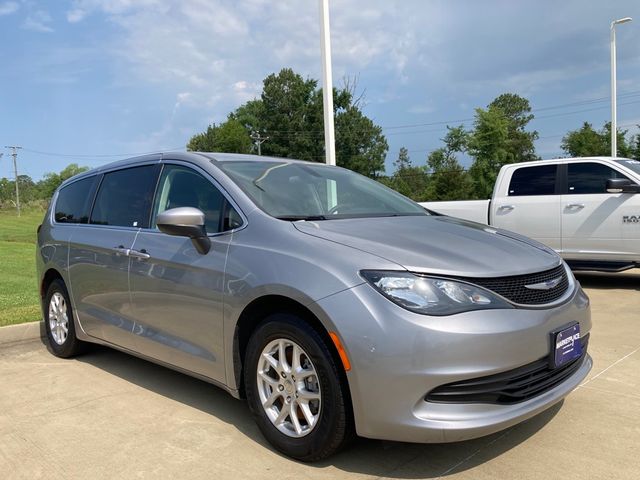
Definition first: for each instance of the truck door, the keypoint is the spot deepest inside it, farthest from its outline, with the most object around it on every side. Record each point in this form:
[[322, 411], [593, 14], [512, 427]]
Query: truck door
[[527, 201], [592, 219]]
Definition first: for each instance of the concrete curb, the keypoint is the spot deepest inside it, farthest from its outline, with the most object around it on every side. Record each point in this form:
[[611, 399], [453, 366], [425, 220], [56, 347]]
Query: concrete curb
[[24, 332]]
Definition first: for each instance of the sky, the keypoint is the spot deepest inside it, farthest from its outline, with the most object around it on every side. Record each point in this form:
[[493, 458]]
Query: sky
[[92, 81]]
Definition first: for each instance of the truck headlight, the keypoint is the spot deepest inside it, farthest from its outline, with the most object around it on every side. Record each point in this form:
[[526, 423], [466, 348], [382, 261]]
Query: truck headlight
[[432, 295]]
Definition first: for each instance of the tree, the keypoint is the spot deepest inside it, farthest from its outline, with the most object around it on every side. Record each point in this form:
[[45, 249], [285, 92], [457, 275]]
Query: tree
[[360, 144], [448, 179], [517, 111], [488, 143], [408, 180], [230, 137], [635, 146], [288, 116], [403, 161], [51, 181], [290, 112], [588, 142]]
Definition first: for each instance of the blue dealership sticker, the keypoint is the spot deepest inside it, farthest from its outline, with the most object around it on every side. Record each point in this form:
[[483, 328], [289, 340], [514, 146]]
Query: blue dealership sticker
[[566, 345]]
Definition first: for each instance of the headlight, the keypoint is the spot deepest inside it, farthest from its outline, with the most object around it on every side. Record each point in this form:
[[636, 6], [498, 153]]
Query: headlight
[[432, 295]]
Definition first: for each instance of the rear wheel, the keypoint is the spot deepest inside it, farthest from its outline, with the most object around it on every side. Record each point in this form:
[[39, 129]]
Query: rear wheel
[[58, 320], [294, 390]]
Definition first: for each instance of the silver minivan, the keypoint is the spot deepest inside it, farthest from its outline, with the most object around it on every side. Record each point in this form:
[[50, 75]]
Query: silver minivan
[[333, 304]]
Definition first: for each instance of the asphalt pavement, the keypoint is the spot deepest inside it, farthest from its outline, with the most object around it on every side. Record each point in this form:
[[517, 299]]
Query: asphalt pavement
[[106, 415]]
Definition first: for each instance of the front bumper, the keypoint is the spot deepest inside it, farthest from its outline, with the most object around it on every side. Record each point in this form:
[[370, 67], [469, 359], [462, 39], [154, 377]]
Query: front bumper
[[397, 357]]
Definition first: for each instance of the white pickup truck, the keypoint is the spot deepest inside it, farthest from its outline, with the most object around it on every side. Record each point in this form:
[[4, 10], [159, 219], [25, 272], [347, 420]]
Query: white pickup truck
[[587, 209]]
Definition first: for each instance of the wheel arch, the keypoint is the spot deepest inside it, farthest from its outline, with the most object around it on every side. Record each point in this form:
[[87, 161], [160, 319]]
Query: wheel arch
[[253, 315], [47, 279]]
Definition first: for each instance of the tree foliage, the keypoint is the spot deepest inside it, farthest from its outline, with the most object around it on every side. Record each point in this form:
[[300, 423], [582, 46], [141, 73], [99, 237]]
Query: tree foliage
[[488, 145], [408, 180], [588, 142], [230, 136], [41, 190], [51, 181], [290, 113], [448, 179], [517, 112]]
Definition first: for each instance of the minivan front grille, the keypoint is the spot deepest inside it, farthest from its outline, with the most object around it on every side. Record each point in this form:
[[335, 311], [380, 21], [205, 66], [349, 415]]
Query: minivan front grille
[[518, 288], [509, 387]]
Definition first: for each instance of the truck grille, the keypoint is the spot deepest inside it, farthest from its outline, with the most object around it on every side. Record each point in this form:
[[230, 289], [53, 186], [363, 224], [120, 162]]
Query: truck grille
[[514, 288], [510, 387]]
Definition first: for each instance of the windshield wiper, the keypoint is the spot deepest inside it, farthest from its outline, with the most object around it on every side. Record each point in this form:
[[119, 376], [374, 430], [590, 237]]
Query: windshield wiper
[[294, 218]]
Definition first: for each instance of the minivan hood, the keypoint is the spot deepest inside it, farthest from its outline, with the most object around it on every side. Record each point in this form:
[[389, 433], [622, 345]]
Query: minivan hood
[[438, 245]]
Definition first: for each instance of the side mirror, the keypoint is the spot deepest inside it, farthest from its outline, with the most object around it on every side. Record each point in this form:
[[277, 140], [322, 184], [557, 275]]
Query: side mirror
[[185, 222], [622, 185]]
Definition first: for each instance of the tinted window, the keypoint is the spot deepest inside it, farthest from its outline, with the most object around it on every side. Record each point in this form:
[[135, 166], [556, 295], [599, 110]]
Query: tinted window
[[124, 198], [539, 180], [74, 201], [590, 177], [184, 187]]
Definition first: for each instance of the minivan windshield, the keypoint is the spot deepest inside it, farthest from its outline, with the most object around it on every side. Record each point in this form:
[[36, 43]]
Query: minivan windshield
[[630, 164], [304, 191]]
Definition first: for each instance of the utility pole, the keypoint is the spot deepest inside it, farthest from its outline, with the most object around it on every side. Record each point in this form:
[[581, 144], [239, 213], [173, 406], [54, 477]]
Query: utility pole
[[614, 113], [14, 148], [327, 84], [258, 140]]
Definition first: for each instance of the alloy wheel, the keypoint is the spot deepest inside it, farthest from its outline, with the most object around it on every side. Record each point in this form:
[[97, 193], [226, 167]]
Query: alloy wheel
[[58, 318], [289, 388]]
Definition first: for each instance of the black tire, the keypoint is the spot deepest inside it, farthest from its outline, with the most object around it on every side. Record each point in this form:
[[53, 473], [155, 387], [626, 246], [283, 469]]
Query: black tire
[[71, 345], [334, 427]]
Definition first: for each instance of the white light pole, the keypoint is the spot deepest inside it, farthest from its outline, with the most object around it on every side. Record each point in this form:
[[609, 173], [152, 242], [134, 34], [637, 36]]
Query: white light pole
[[327, 84], [614, 126]]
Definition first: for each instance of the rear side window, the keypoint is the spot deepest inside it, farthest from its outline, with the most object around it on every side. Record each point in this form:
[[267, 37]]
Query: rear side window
[[539, 180], [183, 187], [74, 201], [586, 178], [124, 198]]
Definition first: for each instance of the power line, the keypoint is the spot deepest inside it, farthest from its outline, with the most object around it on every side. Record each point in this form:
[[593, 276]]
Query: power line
[[633, 93], [301, 133]]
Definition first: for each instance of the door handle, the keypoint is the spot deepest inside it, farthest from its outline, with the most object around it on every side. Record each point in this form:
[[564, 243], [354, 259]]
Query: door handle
[[140, 255], [507, 208], [120, 250], [577, 206]]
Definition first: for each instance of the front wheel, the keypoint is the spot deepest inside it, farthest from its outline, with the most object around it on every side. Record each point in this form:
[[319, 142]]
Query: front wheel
[[294, 390]]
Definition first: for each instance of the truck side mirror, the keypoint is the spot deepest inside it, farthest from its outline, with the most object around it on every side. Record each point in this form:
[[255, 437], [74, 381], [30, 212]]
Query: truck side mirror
[[622, 185]]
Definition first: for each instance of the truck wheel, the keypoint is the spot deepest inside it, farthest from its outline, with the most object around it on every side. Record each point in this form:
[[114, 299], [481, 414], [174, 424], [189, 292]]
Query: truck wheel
[[294, 390]]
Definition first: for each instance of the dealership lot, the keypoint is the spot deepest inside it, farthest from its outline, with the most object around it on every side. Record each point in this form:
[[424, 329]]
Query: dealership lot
[[108, 415]]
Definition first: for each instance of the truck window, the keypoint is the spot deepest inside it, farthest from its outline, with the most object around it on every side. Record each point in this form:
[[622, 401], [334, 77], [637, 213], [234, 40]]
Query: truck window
[[538, 180], [124, 198], [590, 177]]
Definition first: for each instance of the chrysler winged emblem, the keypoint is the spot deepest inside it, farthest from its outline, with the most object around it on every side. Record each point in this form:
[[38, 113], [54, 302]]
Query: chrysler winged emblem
[[548, 285]]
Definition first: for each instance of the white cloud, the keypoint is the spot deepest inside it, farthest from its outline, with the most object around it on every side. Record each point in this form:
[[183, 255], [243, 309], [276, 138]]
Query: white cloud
[[183, 97], [76, 15], [220, 50], [7, 8], [425, 57], [38, 21]]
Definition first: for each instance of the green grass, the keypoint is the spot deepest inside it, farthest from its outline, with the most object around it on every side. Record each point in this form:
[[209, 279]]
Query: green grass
[[19, 300]]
